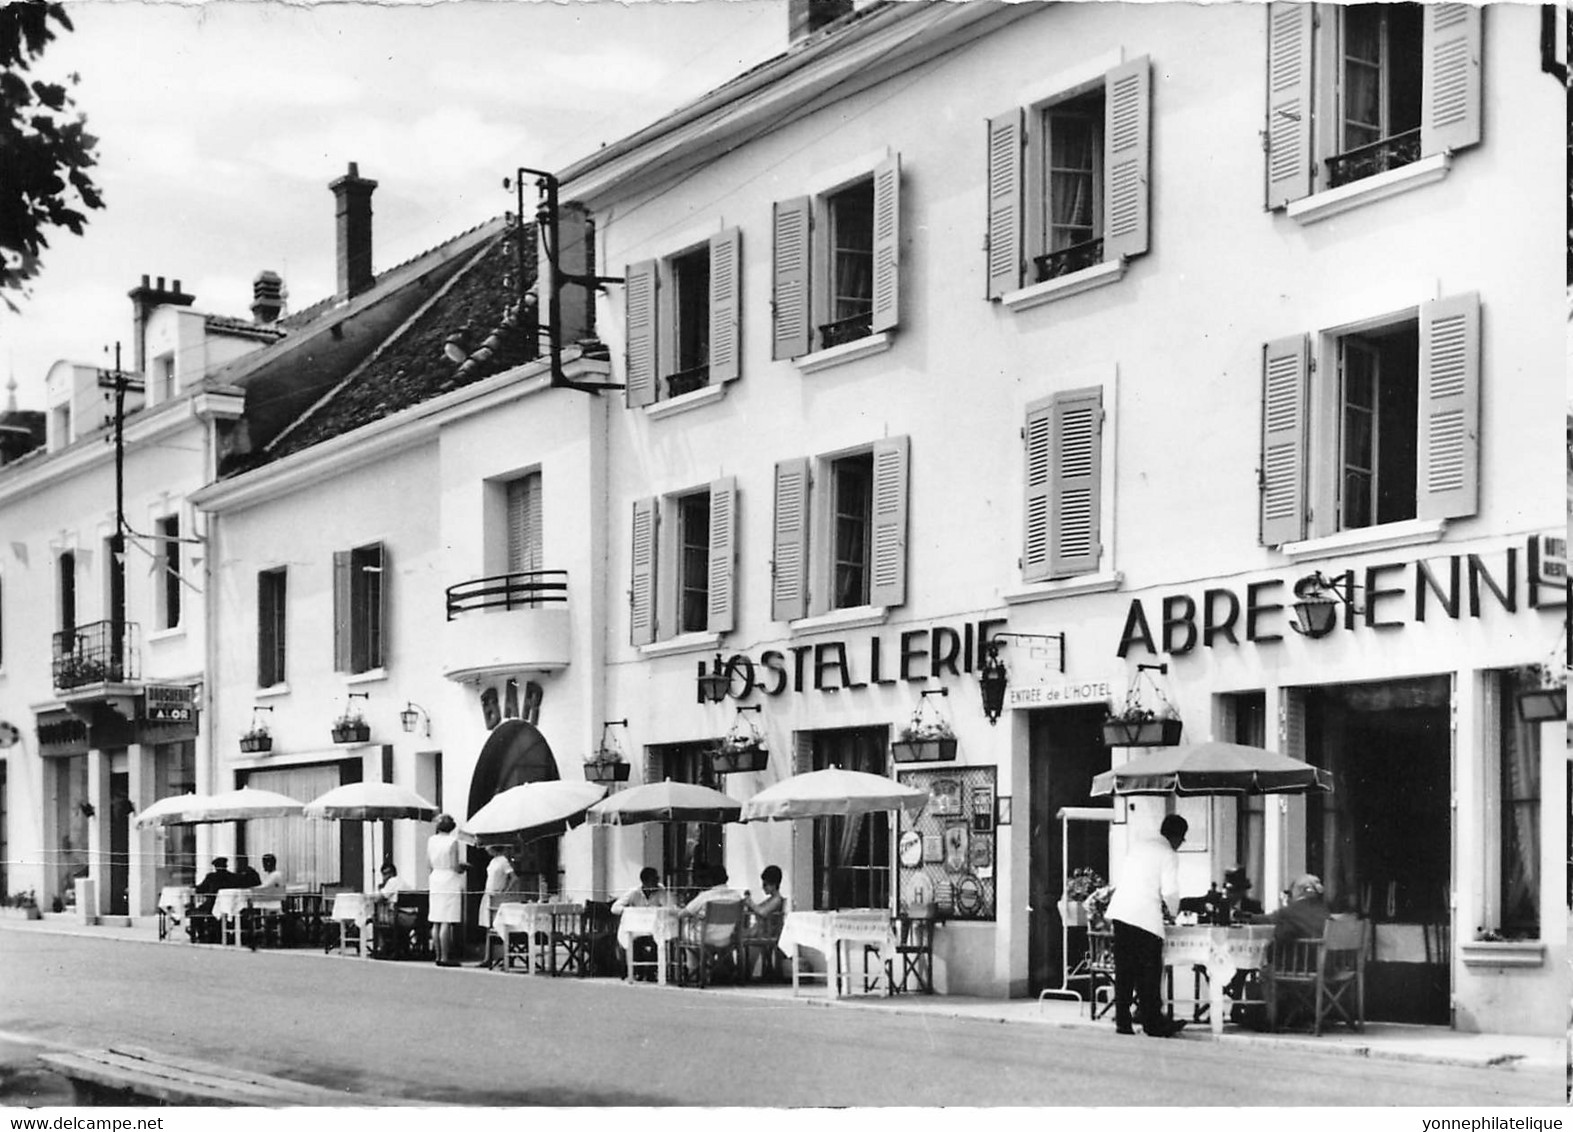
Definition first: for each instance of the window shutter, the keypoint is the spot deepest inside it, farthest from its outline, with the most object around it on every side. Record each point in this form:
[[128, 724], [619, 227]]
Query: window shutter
[[1450, 89], [639, 293], [789, 581], [789, 283], [1284, 392], [379, 635], [888, 544], [524, 524], [726, 306], [1449, 466], [1127, 165], [267, 622], [1075, 491], [1038, 437], [723, 554], [641, 587], [1004, 177], [341, 610], [887, 243], [1290, 29]]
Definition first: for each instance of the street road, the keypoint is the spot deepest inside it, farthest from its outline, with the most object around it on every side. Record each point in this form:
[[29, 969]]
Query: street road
[[485, 1038]]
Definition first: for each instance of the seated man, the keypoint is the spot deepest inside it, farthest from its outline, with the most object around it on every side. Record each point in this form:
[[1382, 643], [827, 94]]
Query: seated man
[[272, 881], [648, 893], [715, 935], [395, 926], [245, 875], [203, 928], [1305, 914], [1240, 907]]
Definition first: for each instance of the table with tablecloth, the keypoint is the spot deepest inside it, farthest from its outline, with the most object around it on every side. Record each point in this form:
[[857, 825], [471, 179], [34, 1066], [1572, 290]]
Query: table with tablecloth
[[658, 923], [1221, 952], [173, 900], [354, 910], [229, 903], [530, 920], [832, 934]]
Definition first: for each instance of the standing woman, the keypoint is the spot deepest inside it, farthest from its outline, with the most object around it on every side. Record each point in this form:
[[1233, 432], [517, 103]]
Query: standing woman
[[446, 886]]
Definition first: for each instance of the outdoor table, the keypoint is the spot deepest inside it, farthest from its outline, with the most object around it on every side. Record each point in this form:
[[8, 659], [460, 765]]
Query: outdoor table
[[659, 923], [353, 909], [830, 933], [1221, 952], [230, 903], [172, 902], [532, 921]]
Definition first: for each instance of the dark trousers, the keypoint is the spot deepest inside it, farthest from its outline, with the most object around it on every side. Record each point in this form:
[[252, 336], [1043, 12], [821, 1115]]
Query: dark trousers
[[1138, 976]]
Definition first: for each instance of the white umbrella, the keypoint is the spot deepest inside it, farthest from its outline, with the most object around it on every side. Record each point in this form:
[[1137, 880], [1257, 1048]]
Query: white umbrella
[[535, 809], [665, 801], [231, 805], [167, 811], [370, 801], [832, 793], [1213, 768]]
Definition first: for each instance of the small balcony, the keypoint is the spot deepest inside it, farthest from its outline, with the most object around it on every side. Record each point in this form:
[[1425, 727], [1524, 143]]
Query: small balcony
[[1068, 261], [506, 624], [1377, 157], [97, 654]]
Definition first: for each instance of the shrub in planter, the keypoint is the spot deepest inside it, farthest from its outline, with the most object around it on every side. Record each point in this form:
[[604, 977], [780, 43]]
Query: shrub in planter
[[253, 742], [1141, 728], [346, 730]]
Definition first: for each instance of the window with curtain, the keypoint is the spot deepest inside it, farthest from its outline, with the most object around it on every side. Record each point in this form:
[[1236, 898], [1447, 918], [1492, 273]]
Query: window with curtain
[[1250, 729], [308, 850], [852, 854], [689, 849], [1520, 819]]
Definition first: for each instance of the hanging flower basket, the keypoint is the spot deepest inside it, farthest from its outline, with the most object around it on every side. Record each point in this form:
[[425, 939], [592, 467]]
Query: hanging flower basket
[[1126, 731], [351, 731], [606, 770], [255, 742], [737, 758], [1073, 913], [923, 750]]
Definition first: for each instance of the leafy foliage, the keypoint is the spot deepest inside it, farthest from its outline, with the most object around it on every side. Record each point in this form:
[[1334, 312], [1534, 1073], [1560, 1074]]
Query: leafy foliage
[[45, 149]]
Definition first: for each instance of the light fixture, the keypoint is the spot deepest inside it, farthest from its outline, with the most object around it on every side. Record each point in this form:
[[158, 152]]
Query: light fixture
[[713, 685], [992, 676], [411, 715], [1316, 603], [1542, 705]]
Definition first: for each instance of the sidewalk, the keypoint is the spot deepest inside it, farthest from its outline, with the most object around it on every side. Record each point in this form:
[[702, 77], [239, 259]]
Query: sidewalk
[[1380, 1039]]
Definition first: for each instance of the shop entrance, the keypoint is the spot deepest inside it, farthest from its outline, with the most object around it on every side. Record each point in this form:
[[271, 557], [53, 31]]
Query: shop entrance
[[514, 753], [1382, 841], [119, 895], [1065, 751]]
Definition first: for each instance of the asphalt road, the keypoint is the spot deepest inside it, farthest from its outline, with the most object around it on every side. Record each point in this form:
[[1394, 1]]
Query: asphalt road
[[484, 1038]]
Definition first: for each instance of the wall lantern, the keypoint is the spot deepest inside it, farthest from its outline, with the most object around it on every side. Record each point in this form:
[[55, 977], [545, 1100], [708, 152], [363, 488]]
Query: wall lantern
[[713, 685], [993, 678], [1316, 604], [1542, 705], [412, 714]]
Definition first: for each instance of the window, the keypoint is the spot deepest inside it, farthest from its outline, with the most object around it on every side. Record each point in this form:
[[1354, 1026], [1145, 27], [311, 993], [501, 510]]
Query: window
[[835, 270], [1392, 434], [66, 591], [683, 582], [1068, 180], [1519, 824], [272, 591], [1363, 89], [855, 553], [690, 851], [684, 320], [168, 590], [851, 854], [359, 608], [523, 501], [2, 633], [1063, 438], [164, 371]]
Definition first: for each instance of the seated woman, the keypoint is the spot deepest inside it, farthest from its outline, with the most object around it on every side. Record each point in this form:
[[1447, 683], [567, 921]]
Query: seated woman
[[765, 917]]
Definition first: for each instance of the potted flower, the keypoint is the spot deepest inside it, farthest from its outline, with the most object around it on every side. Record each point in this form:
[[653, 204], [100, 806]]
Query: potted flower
[[1080, 885], [926, 739], [23, 906], [607, 764], [1142, 727], [740, 749], [1097, 906], [351, 727], [257, 740]]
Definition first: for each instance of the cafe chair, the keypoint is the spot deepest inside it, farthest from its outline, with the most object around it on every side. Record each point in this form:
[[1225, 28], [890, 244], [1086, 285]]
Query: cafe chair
[[1318, 980], [698, 958], [584, 934], [1100, 973], [761, 935], [911, 957]]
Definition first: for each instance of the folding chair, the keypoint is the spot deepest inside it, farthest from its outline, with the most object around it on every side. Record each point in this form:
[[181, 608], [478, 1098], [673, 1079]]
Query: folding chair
[[912, 956], [1311, 980], [1100, 973], [706, 937]]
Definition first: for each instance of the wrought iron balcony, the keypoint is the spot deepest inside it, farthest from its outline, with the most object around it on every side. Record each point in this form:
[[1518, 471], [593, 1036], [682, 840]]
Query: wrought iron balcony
[[1377, 157], [1077, 257], [846, 330], [506, 624], [688, 380], [523, 590], [97, 654]]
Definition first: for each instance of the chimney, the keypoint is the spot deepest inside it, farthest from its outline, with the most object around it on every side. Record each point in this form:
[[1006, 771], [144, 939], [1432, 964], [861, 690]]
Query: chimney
[[267, 297], [145, 300], [352, 211], [805, 17]]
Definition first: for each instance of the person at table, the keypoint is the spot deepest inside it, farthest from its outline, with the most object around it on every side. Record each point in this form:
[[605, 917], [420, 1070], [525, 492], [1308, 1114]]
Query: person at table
[[1305, 914], [392, 883], [272, 881], [203, 928], [245, 875], [1237, 904], [765, 916], [446, 908], [648, 893], [500, 880], [719, 891], [1149, 878]]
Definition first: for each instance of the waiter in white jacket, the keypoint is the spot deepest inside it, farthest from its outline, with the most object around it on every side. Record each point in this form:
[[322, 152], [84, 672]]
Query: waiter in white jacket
[[1149, 877]]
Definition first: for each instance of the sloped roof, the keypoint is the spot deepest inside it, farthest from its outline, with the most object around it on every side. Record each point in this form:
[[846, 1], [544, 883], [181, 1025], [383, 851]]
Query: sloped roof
[[410, 367]]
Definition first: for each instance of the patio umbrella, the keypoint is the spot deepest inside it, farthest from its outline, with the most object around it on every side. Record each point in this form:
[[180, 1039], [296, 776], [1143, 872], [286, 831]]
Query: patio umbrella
[[370, 801], [665, 801], [230, 805], [166, 811], [1213, 768], [535, 809], [832, 793]]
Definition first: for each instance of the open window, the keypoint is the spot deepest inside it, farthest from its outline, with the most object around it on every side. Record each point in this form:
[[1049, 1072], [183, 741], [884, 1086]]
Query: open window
[[684, 320], [683, 563]]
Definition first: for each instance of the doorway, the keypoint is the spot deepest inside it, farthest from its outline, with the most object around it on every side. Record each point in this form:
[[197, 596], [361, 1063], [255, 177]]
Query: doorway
[[120, 808], [1065, 750]]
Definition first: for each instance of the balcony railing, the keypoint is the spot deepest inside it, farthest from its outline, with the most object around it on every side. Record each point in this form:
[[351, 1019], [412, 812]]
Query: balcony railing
[[1377, 157], [846, 330], [97, 654], [688, 380], [509, 591], [1077, 257]]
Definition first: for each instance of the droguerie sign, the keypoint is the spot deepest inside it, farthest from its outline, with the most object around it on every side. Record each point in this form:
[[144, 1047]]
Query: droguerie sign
[[832, 666], [1391, 595]]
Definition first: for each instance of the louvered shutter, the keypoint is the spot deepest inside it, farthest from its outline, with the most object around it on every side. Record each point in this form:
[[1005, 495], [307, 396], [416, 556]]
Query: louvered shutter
[[1004, 178], [524, 524], [377, 645], [888, 544], [1127, 165], [1075, 493], [1290, 31], [1038, 440], [1449, 461], [789, 283], [640, 296], [789, 581], [342, 604], [723, 554], [887, 244], [641, 587], [726, 307], [1450, 88], [1284, 395]]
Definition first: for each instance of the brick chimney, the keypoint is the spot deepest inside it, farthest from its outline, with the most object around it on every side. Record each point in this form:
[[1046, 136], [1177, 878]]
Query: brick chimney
[[267, 297], [352, 211], [805, 17], [145, 300]]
